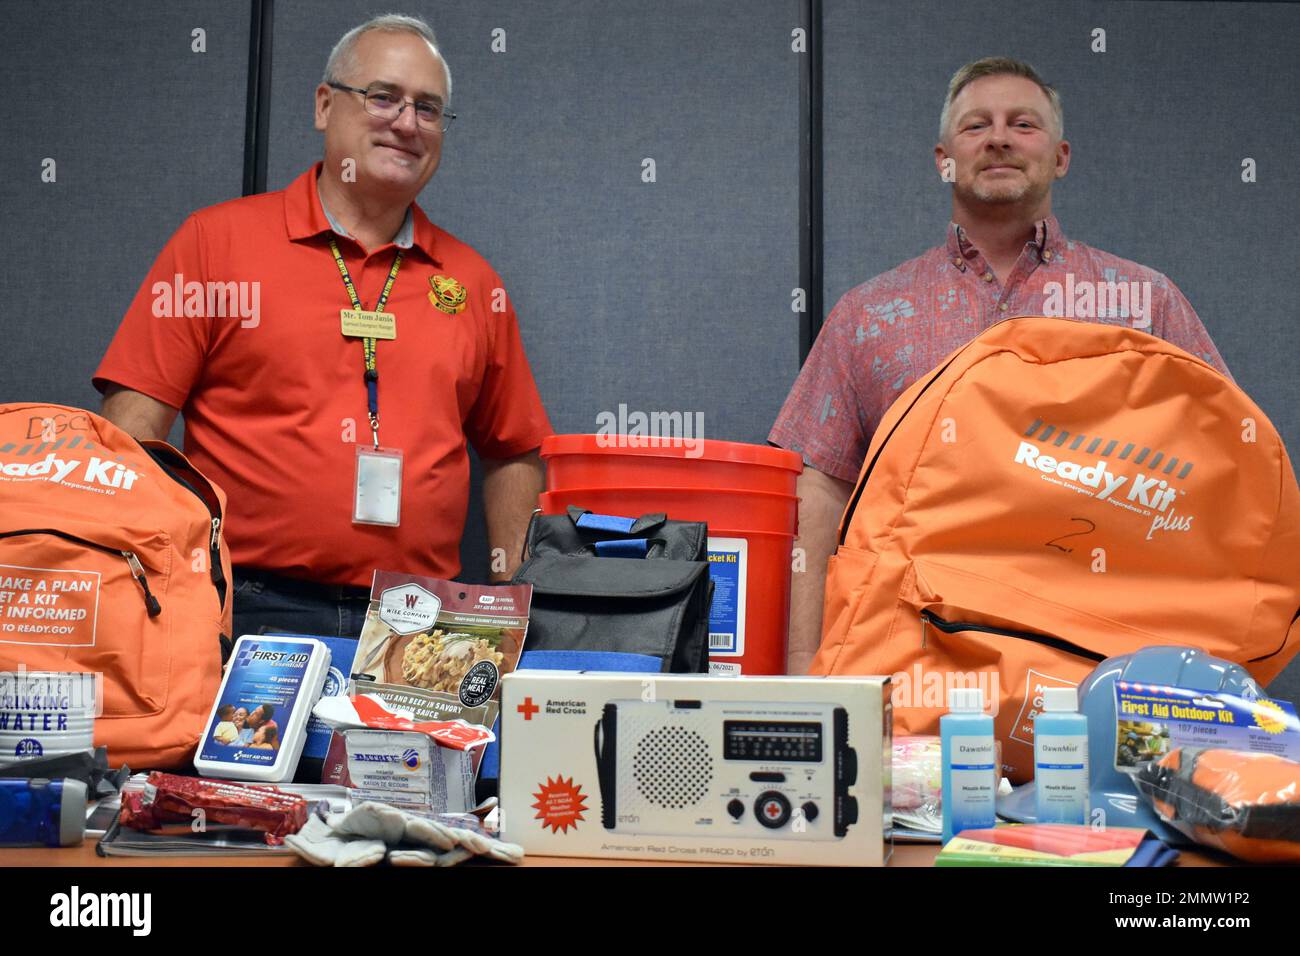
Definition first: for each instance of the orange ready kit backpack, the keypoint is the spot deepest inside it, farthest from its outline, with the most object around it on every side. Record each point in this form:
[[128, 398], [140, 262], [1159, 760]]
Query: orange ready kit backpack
[[112, 562], [1055, 493]]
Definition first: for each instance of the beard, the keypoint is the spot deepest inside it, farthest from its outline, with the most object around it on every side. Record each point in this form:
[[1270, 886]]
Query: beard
[[1004, 190], [1001, 192]]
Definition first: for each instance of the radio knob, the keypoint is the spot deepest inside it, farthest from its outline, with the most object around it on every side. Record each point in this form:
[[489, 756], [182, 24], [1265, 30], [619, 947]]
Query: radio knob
[[736, 809], [772, 809], [850, 811], [810, 811], [850, 768]]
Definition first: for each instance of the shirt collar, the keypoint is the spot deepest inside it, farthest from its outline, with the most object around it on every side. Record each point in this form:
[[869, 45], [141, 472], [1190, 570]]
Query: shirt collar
[[404, 234], [306, 216], [1048, 238]]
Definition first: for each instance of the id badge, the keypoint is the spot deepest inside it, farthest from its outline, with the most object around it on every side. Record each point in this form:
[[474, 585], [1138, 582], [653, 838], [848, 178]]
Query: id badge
[[377, 498]]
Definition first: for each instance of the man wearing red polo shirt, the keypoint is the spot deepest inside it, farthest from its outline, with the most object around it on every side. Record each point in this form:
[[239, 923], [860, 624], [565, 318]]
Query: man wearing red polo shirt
[[332, 351], [1001, 145]]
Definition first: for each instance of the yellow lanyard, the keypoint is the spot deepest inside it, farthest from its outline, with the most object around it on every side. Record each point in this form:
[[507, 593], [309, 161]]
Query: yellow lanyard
[[368, 344]]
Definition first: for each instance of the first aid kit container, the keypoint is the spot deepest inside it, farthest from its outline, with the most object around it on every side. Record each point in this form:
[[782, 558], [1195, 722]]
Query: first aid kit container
[[258, 723], [746, 495]]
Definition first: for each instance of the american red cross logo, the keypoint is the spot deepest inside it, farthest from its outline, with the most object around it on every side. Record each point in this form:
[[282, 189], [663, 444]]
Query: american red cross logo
[[773, 810], [528, 708]]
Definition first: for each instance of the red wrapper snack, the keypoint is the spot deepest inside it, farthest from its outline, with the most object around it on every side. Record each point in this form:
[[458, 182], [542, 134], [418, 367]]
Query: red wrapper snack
[[168, 798]]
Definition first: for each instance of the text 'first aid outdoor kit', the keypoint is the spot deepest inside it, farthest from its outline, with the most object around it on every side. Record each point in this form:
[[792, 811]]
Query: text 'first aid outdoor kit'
[[1056, 493], [112, 562]]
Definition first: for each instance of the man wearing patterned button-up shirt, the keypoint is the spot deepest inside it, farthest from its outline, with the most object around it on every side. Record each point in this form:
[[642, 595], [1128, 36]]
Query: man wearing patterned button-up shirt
[[1001, 146]]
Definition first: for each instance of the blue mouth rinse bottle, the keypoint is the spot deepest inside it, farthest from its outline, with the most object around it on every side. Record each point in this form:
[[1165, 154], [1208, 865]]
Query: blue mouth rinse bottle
[[1061, 758], [970, 772]]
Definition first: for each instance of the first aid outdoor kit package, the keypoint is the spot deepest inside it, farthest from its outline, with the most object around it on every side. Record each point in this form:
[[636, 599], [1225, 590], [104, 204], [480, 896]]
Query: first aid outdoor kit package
[[1056, 493], [258, 723], [111, 563], [613, 584], [681, 768], [1222, 769]]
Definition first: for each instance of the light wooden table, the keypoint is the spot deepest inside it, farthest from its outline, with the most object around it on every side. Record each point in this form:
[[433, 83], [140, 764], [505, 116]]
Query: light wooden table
[[905, 855]]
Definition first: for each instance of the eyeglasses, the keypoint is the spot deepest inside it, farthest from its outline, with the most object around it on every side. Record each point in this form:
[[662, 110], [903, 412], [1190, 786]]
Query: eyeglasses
[[386, 104]]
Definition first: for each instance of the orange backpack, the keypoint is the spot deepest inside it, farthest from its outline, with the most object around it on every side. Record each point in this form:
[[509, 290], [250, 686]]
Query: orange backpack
[[112, 562], [1055, 493]]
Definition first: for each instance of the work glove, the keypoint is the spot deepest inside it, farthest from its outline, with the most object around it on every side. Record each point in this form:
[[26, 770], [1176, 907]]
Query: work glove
[[367, 833]]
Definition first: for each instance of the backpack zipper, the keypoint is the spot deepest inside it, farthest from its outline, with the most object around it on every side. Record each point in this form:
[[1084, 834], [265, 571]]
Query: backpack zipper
[[214, 542], [1056, 643], [132, 561], [862, 482]]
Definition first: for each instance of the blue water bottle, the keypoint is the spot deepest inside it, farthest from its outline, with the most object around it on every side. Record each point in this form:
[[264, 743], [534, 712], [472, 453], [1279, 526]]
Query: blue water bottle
[[42, 812]]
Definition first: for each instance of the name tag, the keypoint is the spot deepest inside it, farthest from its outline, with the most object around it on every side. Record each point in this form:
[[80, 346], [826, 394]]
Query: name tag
[[377, 494], [368, 325]]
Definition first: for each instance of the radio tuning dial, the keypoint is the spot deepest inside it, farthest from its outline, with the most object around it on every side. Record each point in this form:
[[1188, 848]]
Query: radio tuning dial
[[772, 809]]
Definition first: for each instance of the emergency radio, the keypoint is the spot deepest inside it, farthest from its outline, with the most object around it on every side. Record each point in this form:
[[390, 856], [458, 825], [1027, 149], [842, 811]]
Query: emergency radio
[[690, 767]]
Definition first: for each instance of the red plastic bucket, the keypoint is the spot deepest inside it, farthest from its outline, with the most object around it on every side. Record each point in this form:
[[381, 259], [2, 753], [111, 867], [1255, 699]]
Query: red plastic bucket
[[588, 461], [721, 508], [746, 495]]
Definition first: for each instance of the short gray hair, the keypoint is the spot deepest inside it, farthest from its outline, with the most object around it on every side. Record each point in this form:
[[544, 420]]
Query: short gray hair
[[999, 66], [342, 59]]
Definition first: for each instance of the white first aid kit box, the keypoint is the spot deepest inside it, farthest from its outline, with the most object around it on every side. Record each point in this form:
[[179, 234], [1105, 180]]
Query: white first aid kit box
[[687, 767], [258, 723]]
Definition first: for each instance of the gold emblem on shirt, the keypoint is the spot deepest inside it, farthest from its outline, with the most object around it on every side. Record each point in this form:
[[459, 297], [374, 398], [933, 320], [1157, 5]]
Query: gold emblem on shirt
[[448, 295]]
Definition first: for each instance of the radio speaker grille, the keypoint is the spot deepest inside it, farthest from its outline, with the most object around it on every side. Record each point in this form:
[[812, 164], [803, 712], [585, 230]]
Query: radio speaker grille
[[672, 766]]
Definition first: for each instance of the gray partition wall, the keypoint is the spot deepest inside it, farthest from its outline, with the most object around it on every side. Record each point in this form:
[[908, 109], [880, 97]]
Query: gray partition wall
[[1159, 126], [671, 295], [144, 122]]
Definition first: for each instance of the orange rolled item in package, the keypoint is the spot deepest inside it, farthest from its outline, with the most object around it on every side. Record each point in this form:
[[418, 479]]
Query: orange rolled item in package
[[1247, 804]]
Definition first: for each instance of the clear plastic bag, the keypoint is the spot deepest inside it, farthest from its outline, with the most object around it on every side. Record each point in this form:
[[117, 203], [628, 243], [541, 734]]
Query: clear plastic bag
[[918, 784], [1247, 804]]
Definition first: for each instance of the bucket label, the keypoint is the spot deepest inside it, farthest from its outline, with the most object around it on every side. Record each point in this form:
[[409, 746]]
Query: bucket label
[[48, 606], [728, 563]]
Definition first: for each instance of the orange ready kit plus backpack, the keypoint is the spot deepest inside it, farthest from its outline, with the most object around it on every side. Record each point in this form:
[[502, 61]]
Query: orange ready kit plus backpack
[[112, 562], [1055, 493]]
